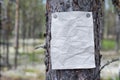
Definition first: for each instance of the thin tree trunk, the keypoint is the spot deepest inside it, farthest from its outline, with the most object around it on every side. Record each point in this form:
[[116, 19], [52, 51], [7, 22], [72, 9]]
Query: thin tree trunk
[[0, 15], [117, 34], [74, 5], [8, 29], [0, 35], [116, 4], [16, 33]]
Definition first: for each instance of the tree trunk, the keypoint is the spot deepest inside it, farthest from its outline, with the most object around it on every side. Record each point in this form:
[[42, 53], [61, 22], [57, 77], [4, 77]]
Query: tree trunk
[[116, 4], [94, 6], [0, 34], [8, 31], [117, 33], [16, 32], [0, 15]]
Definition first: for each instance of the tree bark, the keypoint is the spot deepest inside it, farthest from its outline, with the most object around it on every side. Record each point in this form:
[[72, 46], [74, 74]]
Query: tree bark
[[117, 34], [16, 32], [0, 15], [94, 6], [116, 4], [0, 34], [8, 31]]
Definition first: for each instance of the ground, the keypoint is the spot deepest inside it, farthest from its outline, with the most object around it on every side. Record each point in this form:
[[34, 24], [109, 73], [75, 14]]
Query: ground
[[31, 63]]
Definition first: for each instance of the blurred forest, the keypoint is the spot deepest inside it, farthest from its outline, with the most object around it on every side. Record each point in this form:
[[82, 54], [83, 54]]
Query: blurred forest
[[31, 17], [111, 31], [22, 28]]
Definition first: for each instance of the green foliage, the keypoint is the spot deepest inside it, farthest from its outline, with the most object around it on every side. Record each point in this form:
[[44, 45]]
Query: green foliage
[[34, 56], [111, 78], [31, 17], [108, 44], [30, 70]]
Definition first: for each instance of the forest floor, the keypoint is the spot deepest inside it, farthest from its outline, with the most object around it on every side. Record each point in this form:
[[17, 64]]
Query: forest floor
[[31, 64], [37, 71], [111, 71]]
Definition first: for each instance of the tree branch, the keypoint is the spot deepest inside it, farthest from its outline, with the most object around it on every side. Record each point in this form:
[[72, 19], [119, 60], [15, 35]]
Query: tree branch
[[108, 63]]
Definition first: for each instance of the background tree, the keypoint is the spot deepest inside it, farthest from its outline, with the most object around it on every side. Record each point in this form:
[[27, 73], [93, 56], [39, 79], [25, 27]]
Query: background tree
[[30, 25], [116, 4], [30, 10], [109, 19], [16, 32], [0, 18], [0, 15], [74, 5]]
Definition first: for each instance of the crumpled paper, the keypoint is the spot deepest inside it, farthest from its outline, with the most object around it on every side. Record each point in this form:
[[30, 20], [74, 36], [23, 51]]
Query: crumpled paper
[[72, 40]]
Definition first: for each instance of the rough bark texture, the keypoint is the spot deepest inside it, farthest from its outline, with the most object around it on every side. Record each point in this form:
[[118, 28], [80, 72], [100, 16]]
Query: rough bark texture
[[74, 5]]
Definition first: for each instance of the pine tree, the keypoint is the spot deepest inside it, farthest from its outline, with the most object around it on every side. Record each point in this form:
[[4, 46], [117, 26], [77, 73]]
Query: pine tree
[[94, 6]]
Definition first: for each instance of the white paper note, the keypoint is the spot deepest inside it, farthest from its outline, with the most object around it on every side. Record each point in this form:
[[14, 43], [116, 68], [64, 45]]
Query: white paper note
[[72, 43]]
